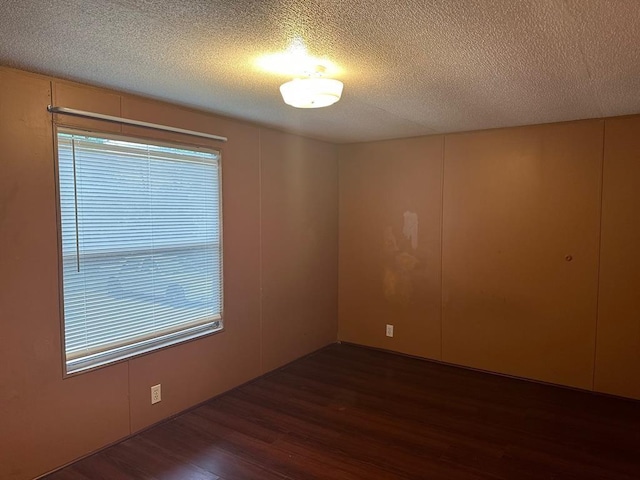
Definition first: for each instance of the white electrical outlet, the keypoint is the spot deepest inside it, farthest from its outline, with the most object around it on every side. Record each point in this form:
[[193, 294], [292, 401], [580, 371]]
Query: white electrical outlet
[[156, 394], [389, 330]]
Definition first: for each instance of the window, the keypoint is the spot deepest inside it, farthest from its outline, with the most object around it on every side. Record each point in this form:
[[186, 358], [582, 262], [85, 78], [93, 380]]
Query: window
[[141, 246]]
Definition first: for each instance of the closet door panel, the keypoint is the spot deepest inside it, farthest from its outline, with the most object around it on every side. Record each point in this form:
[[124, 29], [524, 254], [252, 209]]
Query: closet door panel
[[521, 221], [618, 347]]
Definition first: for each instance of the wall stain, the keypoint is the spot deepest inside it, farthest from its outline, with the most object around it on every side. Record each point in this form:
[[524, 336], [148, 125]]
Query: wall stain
[[401, 263]]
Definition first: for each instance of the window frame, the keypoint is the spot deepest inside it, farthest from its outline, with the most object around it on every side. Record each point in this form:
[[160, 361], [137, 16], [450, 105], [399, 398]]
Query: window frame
[[154, 344]]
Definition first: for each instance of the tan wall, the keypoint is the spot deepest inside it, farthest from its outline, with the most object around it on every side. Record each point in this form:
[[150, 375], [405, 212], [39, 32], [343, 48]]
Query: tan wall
[[280, 238], [515, 203], [383, 278], [300, 247], [618, 350]]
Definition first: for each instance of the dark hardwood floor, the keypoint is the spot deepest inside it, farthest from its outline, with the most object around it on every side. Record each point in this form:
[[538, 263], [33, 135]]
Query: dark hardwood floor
[[353, 413]]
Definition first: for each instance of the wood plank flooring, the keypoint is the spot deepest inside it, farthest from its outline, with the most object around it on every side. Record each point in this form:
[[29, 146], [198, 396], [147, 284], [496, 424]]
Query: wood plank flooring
[[353, 413]]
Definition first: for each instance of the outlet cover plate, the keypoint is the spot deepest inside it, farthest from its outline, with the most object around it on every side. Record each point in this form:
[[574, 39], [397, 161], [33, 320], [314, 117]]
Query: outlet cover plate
[[156, 394]]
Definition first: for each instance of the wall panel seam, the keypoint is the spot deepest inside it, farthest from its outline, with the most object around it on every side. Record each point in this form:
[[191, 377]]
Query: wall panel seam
[[260, 252], [599, 265], [444, 147]]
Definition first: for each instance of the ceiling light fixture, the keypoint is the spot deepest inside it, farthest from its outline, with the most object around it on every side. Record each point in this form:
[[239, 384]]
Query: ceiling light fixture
[[313, 91]]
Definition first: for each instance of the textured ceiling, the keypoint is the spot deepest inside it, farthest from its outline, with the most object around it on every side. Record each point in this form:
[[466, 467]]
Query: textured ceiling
[[409, 67]]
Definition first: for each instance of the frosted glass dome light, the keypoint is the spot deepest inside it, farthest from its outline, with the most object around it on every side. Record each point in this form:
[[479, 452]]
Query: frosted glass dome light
[[313, 92]]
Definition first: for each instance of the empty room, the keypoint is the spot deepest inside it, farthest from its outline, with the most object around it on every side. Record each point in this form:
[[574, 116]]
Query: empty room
[[306, 239]]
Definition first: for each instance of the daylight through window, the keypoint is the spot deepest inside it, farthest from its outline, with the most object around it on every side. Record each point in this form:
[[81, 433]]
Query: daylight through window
[[141, 246]]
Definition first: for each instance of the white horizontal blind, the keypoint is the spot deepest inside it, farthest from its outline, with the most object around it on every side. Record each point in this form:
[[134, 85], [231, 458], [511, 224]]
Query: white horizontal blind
[[141, 249]]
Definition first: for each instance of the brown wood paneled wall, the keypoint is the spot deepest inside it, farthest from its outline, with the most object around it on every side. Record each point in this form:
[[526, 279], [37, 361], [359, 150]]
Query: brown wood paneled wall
[[520, 250], [300, 248], [390, 217], [47, 420], [528, 288], [618, 350]]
